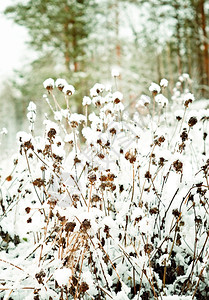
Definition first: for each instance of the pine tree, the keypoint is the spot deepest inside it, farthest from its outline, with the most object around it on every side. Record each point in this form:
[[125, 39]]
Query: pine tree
[[60, 26]]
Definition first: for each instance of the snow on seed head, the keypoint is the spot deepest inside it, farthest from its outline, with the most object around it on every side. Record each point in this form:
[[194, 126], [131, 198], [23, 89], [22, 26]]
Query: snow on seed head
[[115, 73], [49, 124], [4, 131], [181, 78], [49, 84], [189, 96], [97, 89], [161, 100], [117, 97], [86, 101], [154, 88], [69, 90], [60, 84], [97, 101], [31, 106], [144, 100], [164, 82], [23, 137], [185, 76], [75, 119]]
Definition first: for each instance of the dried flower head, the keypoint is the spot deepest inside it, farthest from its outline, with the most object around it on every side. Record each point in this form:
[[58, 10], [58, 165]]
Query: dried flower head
[[144, 100], [69, 226], [97, 89], [86, 101], [49, 84], [69, 90], [61, 83], [188, 98], [115, 73], [192, 121], [161, 100], [131, 156], [154, 88], [178, 166], [164, 83], [92, 177], [117, 97]]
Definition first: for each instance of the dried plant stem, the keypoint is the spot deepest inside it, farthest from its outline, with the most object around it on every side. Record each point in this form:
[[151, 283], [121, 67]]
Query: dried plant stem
[[153, 107], [182, 121], [31, 176], [90, 192], [149, 165], [200, 275], [86, 114], [55, 101], [133, 174], [77, 294], [45, 232], [11, 264], [20, 288]]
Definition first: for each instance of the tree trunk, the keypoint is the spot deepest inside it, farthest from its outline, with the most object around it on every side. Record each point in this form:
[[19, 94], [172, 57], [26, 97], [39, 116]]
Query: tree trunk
[[118, 46], [66, 43], [178, 36], [170, 68], [205, 42], [198, 42]]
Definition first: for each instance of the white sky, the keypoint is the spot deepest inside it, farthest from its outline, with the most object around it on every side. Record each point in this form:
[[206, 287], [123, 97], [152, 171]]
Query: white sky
[[13, 50]]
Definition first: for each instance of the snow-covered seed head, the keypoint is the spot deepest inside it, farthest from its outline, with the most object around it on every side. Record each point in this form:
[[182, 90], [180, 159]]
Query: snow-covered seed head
[[185, 76], [49, 84], [86, 101], [4, 131], [161, 100], [117, 97], [154, 88], [143, 101], [97, 89], [188, 98], [31, 106], [60, 84], [75, 119], [181, 78], [69, 90], [115, 73], [164, 83]]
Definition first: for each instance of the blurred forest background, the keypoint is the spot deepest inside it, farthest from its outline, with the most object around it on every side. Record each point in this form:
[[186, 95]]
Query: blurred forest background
[[83, 40]]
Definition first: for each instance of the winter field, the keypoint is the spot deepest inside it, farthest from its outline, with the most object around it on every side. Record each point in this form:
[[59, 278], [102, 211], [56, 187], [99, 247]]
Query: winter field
[[108, 204]]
